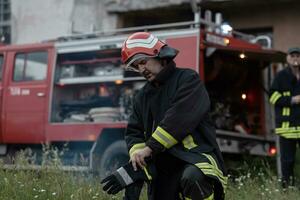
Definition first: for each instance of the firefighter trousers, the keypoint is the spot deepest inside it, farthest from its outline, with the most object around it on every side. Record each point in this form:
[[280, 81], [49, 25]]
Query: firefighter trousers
[[178, 180], [175, 180], [287, 158]]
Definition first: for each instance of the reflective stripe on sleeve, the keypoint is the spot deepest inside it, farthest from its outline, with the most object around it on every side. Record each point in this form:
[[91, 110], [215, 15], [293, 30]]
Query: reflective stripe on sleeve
[[136, 147], [164, 138], [188, 142], [275, 96]]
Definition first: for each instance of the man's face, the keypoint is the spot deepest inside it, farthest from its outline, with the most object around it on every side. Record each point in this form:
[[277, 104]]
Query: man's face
[[293, 59], [148, 67]]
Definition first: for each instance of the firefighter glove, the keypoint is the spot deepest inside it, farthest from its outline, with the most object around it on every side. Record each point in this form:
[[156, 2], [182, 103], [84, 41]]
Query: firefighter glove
[[125, 176]]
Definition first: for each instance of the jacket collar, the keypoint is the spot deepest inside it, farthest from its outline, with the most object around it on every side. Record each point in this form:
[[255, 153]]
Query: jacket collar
[[164, 74], [161, 78]]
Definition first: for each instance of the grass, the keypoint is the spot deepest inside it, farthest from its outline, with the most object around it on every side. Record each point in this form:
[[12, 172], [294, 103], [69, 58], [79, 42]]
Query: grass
[[255, 181]]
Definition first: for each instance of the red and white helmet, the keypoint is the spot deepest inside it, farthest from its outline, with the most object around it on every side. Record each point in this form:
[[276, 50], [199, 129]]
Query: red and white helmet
[[140, 45]]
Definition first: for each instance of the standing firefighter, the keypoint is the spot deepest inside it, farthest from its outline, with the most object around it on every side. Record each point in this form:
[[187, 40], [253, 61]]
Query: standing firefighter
[[285, 95], [170, 125]]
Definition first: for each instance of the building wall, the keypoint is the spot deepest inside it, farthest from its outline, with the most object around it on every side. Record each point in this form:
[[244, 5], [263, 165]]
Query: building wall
[[36, 20], [283, 20]]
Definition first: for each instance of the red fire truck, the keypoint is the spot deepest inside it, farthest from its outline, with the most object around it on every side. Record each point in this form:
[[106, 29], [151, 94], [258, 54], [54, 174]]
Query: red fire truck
[[74, 90]]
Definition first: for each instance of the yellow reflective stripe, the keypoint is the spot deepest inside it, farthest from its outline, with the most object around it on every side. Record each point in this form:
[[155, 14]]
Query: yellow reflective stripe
[[214, 164], [275, 96], [286, 111], [147, 174], [287, 93], [291, 135], [136, 147], [186, 198], [211, 197], [163, 137], [209, 169], [212, 173], [188, 142], [285, 124], [212, 161], [288, 132]]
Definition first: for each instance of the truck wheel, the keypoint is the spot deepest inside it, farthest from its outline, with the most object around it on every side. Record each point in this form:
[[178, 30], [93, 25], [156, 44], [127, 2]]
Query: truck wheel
[[114, 156]]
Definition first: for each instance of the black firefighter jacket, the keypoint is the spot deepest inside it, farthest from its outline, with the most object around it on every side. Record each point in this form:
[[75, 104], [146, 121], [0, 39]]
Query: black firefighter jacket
[[173, 117], [284, 87]]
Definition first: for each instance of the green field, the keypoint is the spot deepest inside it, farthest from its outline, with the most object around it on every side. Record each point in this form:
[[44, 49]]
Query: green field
[[255, 181]]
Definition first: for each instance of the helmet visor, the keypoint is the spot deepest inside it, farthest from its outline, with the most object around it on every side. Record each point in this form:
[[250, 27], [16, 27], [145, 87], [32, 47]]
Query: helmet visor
[[137, 59]]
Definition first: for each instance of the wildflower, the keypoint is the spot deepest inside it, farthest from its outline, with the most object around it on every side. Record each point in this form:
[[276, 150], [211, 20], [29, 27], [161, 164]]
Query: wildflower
[[248, 175]]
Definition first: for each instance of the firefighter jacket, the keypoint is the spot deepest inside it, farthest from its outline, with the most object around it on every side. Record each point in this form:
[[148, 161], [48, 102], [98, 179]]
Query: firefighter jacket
[[284, 87], [173, 117]]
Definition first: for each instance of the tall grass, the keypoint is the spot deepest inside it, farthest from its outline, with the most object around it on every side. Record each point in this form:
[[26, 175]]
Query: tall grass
[[51, 183]]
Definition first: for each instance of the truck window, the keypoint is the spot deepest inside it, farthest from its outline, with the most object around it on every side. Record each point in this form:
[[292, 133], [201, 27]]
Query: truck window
[[1, 66], [30, 66], [93, 87]]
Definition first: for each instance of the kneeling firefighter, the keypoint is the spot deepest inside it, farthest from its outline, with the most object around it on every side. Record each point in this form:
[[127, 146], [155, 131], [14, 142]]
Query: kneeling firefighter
[[170, 137]]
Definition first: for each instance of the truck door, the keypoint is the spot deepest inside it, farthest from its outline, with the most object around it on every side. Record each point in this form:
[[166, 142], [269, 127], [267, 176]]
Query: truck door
[[26, 96]]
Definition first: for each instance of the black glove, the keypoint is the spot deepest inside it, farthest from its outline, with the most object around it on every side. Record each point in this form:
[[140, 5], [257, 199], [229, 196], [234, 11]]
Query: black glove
[[125, 176]]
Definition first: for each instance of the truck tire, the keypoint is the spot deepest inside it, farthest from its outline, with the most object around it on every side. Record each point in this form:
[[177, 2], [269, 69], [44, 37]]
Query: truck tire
[[115, 156]]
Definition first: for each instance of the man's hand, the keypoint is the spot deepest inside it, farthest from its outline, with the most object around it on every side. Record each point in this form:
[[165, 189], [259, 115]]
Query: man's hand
[[138, 157], [296, 99]]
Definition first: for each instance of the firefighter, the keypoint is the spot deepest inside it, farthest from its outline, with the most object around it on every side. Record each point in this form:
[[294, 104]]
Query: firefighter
[[285, 96], [170, 125]]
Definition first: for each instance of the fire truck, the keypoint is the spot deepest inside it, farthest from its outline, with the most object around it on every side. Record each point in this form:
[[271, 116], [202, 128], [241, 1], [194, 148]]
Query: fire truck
[[74, 90]]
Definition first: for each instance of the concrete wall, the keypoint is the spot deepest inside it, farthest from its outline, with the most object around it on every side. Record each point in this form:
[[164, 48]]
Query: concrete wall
[[37, 20], [283, 20]]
